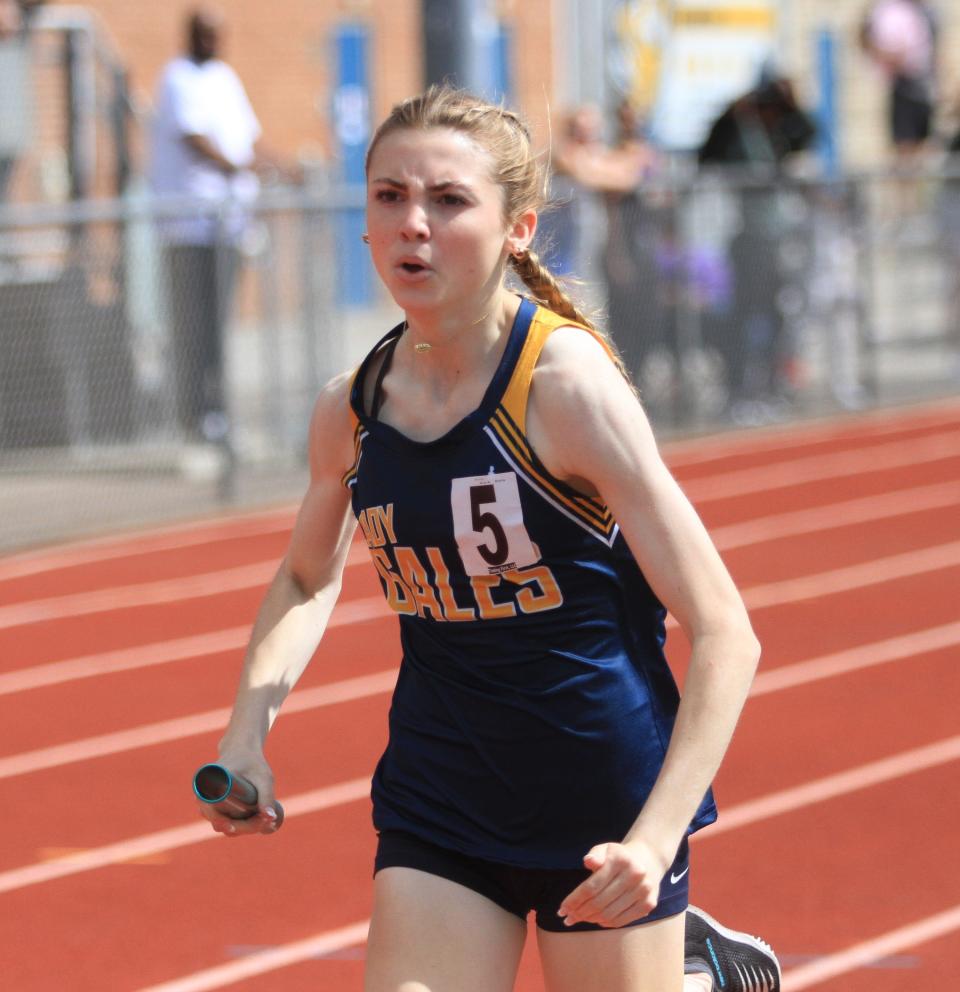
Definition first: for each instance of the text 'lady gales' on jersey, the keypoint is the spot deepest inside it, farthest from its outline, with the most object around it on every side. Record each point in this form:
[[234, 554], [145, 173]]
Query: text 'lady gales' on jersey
[[417, 581]]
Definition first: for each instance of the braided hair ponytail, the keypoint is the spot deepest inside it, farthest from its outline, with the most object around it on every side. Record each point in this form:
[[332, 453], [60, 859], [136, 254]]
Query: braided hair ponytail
[[544, 286], [546, 289]]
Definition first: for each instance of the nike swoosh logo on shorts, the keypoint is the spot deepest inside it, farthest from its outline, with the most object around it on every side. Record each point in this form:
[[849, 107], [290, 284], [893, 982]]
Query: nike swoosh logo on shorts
[[676, 878]]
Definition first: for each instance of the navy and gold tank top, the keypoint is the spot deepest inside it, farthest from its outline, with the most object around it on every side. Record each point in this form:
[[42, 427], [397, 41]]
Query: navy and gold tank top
[[533, 705]]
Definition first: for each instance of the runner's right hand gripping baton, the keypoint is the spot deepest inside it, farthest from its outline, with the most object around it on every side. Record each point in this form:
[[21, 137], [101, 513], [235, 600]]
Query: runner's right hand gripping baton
[[233, 795]]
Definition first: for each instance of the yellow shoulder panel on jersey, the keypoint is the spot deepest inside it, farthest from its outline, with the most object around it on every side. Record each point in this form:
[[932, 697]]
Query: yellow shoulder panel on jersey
[[544, 323], [508, 429]]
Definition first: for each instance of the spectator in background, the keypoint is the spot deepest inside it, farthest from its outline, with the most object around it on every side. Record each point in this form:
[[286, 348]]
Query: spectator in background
[[15, 89], [949, 215], [764, 127], [756, 135], [900, 36], [578, 142], [205, 147], [628, 256], [584, 165]]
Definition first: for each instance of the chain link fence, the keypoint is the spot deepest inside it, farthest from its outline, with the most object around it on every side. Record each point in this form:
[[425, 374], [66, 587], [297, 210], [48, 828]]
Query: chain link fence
[[139, 382], [142, 379], [742, 301], [68, 120]]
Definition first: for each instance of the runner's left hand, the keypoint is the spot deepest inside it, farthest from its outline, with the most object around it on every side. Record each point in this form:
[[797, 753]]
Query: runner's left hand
[[624, 885]]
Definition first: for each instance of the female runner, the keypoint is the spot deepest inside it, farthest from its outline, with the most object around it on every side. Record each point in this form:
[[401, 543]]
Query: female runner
[[531, 540]]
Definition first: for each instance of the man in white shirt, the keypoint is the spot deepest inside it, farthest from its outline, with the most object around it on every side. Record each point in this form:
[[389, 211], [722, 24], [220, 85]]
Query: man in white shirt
[[203, 149]]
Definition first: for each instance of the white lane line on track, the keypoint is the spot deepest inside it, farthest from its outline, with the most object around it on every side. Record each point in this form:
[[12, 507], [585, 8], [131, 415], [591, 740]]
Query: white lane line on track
[[266, 961], [831, 966], [160, 593], [781, 438], [179, 728], [834, 516], [868, 952], [191, 587], [139, 594], [902, 648], [829, 787], [908, 564], [839, 580], [836, 663], [164, 652], [12, 568], [228, 527], [126, 659], [860, 955], [776, 526], [348, 936], [679, 453], [819, 468], [741, 815], [148, 845]]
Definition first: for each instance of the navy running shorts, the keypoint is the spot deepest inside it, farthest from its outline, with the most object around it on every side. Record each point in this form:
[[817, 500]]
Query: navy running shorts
[[911, 112], [523, 890]]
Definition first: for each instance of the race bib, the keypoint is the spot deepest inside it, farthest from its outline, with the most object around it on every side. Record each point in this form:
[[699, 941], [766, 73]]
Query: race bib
[[488, 524]]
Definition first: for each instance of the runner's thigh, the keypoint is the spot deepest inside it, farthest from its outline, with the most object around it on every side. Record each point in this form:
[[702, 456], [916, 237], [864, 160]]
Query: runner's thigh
[[428, 934], [646, 958]]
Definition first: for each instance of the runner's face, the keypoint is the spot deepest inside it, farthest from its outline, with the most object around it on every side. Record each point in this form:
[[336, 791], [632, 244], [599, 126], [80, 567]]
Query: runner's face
[[435, 219]]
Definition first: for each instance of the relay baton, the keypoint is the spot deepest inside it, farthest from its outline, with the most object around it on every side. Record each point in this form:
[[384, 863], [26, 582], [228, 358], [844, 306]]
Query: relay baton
[[233, 795]]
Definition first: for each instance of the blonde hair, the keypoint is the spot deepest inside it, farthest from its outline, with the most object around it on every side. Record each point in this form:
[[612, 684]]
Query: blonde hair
[[516, 169]]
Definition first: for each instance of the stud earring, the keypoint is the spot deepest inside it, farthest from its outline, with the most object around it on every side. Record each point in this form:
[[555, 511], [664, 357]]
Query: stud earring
[[365, 238]]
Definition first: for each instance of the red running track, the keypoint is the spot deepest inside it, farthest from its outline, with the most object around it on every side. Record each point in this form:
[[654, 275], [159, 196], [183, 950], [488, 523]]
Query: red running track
[[839, 796]]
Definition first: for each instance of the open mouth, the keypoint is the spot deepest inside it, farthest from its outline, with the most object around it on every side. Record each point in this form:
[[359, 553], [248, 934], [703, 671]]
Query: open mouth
[[413, 267]]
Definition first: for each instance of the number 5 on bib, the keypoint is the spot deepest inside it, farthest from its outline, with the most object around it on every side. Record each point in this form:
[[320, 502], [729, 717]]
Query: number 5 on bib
[[488, 524]]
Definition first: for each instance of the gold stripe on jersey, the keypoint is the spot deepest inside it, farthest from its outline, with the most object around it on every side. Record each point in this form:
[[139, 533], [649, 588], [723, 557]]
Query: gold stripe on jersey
[[570, 508], [589, 504], [591, 510], [351, 476]]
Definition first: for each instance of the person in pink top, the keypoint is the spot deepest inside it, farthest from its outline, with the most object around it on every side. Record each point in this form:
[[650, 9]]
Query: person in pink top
[[901, 36]]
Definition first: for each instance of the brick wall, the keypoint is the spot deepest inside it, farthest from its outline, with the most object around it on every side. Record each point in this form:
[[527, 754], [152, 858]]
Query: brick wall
[[283, 51]]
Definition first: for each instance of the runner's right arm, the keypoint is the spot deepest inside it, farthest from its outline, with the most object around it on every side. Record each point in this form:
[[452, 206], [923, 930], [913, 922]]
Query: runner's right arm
[[296, 608]]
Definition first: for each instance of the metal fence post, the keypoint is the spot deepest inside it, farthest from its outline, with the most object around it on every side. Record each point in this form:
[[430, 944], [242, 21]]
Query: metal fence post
[[310, 309], [79, 98], [351, 112], [868, 330], [222, 434]]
